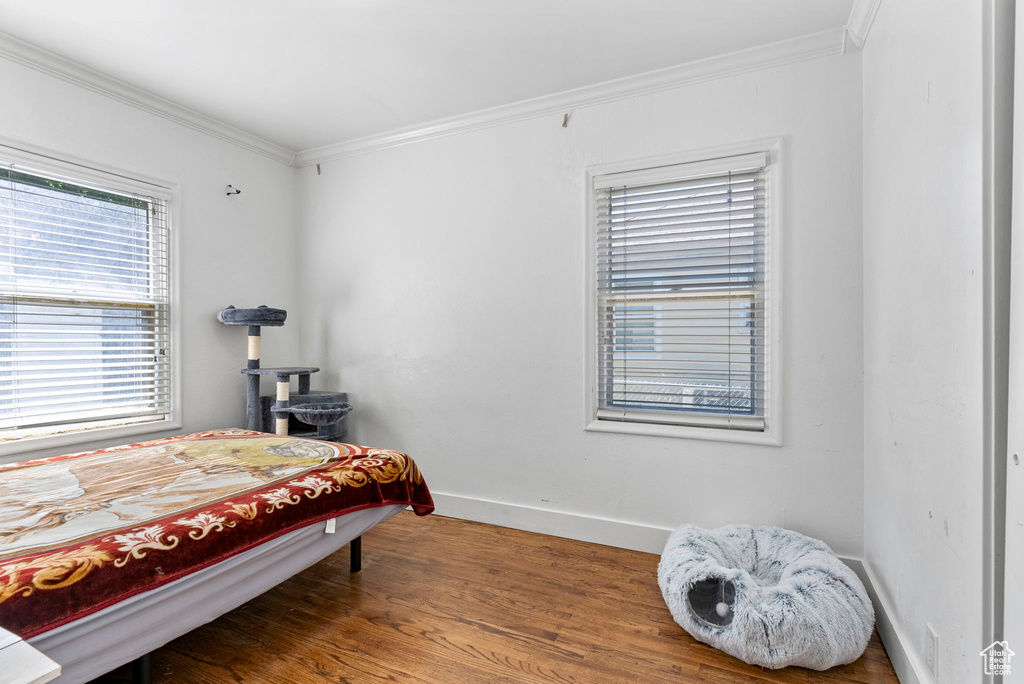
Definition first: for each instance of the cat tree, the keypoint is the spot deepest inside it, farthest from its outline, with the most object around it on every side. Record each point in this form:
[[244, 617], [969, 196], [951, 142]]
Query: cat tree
[[316, 414]]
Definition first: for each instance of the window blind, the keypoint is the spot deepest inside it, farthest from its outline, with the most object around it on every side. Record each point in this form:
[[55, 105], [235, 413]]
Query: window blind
[[681, 289], [84, 297]]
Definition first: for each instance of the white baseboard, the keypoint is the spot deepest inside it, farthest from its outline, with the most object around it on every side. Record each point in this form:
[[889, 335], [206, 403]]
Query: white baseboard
[[908, 664], [906, 660], [624, 535]]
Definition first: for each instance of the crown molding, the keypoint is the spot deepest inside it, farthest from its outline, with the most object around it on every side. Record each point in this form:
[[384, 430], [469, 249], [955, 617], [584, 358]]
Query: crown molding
[[766, 56], [862, 15], [54, 65], [831, 42]]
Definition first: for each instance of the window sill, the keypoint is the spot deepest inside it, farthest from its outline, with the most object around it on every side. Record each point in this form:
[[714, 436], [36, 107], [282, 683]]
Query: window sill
[[767, 438], [29, 445]]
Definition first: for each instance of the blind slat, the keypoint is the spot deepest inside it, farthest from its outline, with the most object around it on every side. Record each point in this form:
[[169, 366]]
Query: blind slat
[[56, 401], [32, 287], [135, 268], [72, 380], [32, 371], [110, 411], [36, 243], [714, 187], [90, 238], [727, 206]]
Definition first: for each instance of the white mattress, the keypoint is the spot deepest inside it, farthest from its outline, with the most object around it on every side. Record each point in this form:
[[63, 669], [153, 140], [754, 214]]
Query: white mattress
[[106, 639]]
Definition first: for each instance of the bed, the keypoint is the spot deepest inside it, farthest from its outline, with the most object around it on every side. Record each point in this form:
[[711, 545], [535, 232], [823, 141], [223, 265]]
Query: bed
[[107, 555]]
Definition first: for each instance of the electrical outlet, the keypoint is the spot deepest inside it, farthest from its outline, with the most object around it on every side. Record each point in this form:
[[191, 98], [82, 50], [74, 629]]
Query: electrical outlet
[[931, 655]]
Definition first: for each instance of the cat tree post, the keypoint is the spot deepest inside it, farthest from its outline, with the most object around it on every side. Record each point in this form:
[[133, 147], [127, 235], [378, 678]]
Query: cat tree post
[[252, 395], [254, 319], [281, 406]]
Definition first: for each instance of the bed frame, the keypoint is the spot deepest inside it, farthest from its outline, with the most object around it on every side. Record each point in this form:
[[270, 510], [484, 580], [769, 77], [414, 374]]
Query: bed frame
[[99, 643], [142, 667]]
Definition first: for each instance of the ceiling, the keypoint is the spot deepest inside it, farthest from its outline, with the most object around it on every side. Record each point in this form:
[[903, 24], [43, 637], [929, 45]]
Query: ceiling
[[307, 73]]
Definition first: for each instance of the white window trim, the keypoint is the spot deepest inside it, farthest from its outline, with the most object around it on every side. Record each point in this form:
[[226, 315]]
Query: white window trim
[[772, 434], [48, 161]]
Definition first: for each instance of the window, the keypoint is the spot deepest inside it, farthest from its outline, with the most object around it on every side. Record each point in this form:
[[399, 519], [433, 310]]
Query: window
[[84, 304], [681, 320]]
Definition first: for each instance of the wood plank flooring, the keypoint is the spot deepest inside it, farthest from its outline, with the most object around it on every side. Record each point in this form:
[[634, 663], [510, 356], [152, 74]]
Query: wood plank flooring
[[444, 601]]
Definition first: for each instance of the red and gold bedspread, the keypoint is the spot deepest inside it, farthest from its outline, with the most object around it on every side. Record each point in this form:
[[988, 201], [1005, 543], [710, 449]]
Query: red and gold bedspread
[[83, 531]]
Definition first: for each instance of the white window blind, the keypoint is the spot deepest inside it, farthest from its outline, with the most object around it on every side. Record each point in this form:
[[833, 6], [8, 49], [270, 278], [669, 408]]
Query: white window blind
[[681, 294], [84, 296]]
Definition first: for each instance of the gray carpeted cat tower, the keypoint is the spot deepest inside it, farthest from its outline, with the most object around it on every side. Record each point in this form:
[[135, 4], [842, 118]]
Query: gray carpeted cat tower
[[309, 413], [768, 596]]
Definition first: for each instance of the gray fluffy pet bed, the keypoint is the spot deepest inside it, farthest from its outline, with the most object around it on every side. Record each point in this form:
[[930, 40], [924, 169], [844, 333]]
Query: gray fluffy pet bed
[[768, 596]]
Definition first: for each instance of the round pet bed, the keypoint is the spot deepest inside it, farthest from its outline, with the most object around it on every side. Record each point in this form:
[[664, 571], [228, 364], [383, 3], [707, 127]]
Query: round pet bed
[[768, 596]]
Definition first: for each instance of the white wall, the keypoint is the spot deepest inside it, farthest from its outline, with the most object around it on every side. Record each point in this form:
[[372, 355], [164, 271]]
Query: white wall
[[444, 291], [228, 247], [923, 326], [1014, 599]]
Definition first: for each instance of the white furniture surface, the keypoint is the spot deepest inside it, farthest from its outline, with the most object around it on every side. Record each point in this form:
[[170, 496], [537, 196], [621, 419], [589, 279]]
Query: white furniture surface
[[21, 663]]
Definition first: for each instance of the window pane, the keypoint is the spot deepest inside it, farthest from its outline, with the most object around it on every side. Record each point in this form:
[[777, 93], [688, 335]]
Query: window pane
[[681, 295], [83, 304]]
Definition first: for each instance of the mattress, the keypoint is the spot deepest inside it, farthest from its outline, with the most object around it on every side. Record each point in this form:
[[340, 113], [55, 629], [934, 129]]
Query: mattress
[[102, 641], [84, 531]]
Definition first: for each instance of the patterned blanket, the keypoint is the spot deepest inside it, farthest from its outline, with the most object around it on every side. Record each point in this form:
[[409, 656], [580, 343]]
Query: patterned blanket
[[84, 531]]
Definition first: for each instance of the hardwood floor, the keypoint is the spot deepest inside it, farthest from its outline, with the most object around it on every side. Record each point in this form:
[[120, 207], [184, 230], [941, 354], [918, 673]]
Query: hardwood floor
[[444, 601]]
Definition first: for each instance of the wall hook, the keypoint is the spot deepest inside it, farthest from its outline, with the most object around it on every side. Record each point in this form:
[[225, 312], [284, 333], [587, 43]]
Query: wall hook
[[232, 190]]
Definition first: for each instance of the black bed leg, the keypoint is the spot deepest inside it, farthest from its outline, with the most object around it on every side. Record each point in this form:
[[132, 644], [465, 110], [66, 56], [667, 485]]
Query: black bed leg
[[355, 548], [142, 669]]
